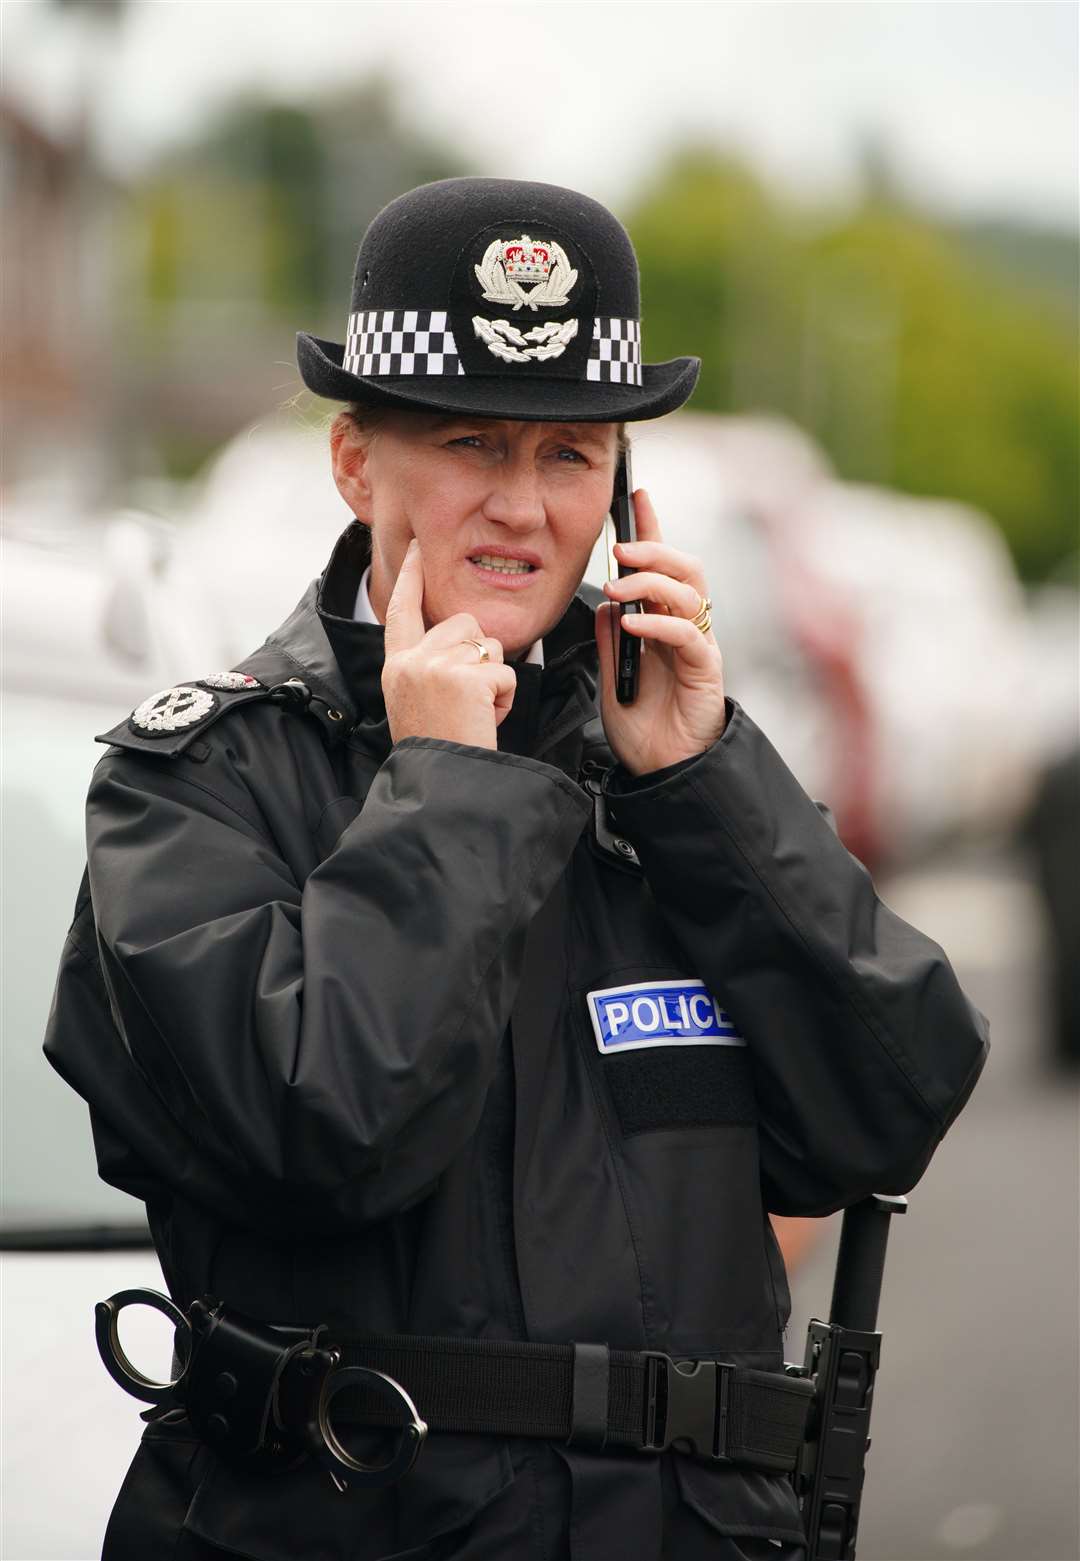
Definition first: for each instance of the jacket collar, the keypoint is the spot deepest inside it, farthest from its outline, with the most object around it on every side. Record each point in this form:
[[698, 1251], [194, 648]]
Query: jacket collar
[[341, 660]]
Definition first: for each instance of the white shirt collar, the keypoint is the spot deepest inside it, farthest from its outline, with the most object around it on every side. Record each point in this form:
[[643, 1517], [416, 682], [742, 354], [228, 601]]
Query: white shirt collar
[[363, 612]]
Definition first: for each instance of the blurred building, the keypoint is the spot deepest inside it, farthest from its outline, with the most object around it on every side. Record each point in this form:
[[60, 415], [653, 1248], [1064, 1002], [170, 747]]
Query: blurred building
[[145, 324], [55, 308]]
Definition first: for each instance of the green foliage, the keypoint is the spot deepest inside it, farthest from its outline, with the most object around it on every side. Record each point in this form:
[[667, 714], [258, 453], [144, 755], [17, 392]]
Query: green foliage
[[98, 10], [913, 359], [237, 240], [263, 212], [936, 361]]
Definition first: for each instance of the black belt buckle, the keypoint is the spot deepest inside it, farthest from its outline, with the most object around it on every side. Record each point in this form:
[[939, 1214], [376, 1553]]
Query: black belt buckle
[[687, 1402]]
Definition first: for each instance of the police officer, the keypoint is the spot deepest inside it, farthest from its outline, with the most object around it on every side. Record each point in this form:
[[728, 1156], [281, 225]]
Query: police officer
[[424, 990]]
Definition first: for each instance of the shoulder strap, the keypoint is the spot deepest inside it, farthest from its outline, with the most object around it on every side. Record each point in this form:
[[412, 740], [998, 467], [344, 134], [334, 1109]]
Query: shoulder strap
[[169, 721], [174, 720]]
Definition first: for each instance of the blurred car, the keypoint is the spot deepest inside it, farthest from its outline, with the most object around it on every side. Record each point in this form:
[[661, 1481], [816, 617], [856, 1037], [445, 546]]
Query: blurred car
[[83, 640], [263, 518], [881, 641]]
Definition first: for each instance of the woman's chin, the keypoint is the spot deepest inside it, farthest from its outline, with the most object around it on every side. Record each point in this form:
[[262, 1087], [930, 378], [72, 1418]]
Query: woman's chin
[[517, 633], [514, 624], [515, 649]]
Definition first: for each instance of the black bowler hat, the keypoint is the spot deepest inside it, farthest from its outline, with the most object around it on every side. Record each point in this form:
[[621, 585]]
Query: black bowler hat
[[501, 298]]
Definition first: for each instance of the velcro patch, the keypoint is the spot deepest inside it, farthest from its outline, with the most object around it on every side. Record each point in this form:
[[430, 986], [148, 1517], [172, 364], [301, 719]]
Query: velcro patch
[[659, 1013]]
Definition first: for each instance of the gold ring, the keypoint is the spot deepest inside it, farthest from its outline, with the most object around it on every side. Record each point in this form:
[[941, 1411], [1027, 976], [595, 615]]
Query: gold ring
[[485, 654], [702, 619]]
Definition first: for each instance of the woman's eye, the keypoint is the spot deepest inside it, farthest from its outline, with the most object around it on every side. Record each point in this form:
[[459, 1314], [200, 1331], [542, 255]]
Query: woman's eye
[[571, 457], [467, 442]]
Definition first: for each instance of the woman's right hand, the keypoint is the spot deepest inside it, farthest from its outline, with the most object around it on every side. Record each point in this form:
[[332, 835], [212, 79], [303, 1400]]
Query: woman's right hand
[[434, 682]]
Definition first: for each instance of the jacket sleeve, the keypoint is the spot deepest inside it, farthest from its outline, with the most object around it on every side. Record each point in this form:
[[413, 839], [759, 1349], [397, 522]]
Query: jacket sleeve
[[863, 1045], [332, 1042]]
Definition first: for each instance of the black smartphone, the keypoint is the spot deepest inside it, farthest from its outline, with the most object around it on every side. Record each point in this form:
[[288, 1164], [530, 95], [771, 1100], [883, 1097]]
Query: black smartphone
[[628, 647]]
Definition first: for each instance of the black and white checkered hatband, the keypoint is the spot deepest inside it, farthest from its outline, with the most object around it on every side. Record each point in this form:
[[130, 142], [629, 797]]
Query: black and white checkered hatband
[[401, 341], [615, 351], [420, 341]]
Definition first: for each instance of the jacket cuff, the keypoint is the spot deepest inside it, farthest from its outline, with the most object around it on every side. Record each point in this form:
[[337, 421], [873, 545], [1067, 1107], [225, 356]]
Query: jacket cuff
[[572, 794], [621, 783], [739, 791]]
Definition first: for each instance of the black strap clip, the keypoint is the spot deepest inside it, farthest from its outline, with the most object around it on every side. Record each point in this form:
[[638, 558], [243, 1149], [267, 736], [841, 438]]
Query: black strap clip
[[687, 1402], [294, 694], [593, 779]]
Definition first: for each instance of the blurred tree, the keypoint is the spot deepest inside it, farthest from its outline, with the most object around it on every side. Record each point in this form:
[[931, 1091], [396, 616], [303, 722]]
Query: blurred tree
[[718, 279], [985, 400], [1035, 257], [97, 10], [373, 154], [276, 151], [246, 234], [265, 209], [915, 360]]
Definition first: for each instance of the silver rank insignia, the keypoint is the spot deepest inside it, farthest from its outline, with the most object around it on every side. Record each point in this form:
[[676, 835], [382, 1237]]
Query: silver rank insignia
[[511, 265], [173, 709], [522, 273], [232, 681]]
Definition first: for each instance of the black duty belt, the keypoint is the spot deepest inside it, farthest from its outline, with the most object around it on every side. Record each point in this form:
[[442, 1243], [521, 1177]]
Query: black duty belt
[[263, 1393]]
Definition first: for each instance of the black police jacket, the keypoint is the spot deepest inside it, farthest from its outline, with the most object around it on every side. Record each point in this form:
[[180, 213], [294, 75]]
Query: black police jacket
[[328, 1001]]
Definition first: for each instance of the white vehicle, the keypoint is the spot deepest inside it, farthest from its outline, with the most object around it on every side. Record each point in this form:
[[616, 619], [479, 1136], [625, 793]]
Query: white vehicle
[[77, 650], [879, 640], [875, 638]]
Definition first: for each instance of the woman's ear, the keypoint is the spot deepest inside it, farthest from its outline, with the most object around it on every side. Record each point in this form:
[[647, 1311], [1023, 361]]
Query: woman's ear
[[349, 450]]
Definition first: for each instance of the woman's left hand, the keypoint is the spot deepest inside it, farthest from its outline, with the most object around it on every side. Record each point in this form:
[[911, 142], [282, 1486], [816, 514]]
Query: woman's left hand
[[679, 711]]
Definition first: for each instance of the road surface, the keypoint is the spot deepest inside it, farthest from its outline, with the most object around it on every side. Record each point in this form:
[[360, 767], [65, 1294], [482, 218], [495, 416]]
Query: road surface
[[976, 1425]]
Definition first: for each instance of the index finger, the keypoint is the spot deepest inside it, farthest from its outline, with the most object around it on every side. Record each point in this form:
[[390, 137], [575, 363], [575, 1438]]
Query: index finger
[[404, 611]]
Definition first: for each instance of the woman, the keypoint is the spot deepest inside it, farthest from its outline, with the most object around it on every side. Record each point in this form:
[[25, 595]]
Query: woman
[[395, 984]]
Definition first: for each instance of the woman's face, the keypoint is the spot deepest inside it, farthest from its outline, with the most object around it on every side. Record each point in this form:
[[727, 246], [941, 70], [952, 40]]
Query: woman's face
[[506, 513]]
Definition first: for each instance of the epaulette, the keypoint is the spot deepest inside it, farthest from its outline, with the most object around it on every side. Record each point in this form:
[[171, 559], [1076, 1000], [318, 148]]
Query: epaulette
[[170, 721], [174, 720]]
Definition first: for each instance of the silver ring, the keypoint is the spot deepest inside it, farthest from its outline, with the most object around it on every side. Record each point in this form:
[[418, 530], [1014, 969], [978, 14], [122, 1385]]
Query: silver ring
[[485, 654]]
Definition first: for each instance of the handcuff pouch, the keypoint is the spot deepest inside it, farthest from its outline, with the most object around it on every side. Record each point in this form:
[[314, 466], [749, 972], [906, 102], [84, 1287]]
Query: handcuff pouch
[[251, 1390]]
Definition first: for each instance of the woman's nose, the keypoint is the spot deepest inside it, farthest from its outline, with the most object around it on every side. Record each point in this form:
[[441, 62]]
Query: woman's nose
[[515, 498]]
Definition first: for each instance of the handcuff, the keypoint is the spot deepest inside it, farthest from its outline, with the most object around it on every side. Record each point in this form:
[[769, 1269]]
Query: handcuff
[[255, 1394]]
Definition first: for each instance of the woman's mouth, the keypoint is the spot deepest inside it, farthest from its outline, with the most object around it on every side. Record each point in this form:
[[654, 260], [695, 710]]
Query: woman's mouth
[[498, 569]]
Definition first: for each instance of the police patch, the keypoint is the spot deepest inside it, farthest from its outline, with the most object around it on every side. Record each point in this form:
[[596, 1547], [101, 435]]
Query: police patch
[[659, 1013]]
